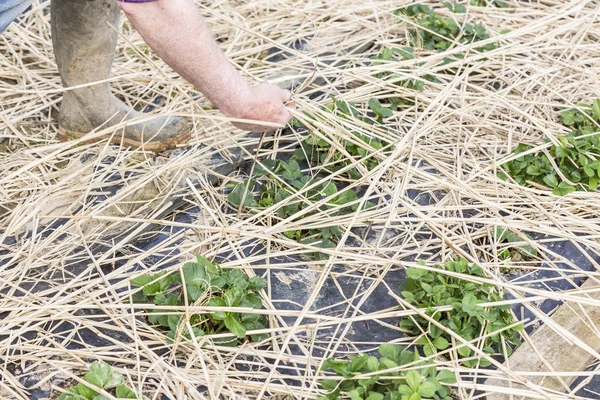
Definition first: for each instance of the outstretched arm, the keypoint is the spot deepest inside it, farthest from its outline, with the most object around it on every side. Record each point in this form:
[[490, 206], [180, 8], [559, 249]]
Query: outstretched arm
[[178, 33]]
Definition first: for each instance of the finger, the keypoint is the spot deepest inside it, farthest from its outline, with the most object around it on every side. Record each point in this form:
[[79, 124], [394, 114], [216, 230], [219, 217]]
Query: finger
[[285, 118], [291, 105], [286, 95]]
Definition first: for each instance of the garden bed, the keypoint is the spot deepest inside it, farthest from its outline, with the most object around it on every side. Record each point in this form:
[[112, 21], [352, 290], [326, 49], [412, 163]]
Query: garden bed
[[408, 131]]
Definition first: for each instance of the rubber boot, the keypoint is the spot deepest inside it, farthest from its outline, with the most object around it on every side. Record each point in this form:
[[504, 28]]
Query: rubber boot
[[84, 36]]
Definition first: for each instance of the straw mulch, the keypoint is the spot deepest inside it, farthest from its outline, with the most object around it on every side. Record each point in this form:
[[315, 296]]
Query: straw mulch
[[58, 204]]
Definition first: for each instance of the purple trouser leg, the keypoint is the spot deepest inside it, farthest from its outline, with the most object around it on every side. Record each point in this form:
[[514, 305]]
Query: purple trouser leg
[[11, 9]]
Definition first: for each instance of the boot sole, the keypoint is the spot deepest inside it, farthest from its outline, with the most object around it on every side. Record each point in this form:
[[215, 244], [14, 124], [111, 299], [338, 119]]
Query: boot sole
[[65, 135]]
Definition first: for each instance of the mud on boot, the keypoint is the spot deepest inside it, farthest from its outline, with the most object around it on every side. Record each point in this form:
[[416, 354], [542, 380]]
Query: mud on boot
[[84, 36]]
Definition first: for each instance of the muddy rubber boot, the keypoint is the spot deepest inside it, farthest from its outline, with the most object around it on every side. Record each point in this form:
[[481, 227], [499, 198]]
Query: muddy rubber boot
[[84, 45]]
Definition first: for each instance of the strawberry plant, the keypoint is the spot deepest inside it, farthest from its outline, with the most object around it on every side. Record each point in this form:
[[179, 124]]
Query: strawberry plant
[[504, 235], [422, 381], [490, 3], [100, 376], [275, 181], [396, 54], [427, 290], [439, 33], [263, 191], [204, 283], [318, 151], [574, 163]]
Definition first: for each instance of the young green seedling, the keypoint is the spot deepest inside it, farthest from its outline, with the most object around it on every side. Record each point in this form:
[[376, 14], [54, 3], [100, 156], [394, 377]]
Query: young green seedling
[[427, 290], [574, 164], [206, 283], [422, 380], [101, 376]]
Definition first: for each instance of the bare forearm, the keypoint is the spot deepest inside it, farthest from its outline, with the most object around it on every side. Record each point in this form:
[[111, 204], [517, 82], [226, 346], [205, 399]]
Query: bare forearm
[[177, 32]]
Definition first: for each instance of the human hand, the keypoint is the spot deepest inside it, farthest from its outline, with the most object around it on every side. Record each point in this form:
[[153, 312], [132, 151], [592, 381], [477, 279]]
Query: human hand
[[267, 103]]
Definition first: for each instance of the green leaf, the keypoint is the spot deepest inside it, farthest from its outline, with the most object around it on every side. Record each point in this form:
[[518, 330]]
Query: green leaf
[[386, 363], [163, 319], [427, 287], [270, 166], [252, 301], [209, 266], [355, 395], [500, 233], [464, 351], [234, 326], [71, 396], [561, 152], [563, 189], [102, 375], [413, 379], [238, 278], [440, 343], [173, 322], [153, 284], [123, 392], [373, 364], [596, 109], [405, 390], [292, 170], [233, 297], [375, 396], [386, 112], [428, 349], [329, 189], [446, 376], [408, 296], [551, 180], [85, 391], [568, 117], [459, 8], [257, 283], [378, 109], [358, 363], [415, 273], [346, 108], [469, 302], [329, 384], [390, 351], [243, 191], [427, 389], [589, 171], [345, 197], [145, 279], [197, 281], [527, 251], [375, 105]]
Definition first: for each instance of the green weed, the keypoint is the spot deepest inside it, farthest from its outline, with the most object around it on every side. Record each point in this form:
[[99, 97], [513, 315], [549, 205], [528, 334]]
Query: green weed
[[204, 283], [426, 290], [577, 156], [102, 376], [423, 381]]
